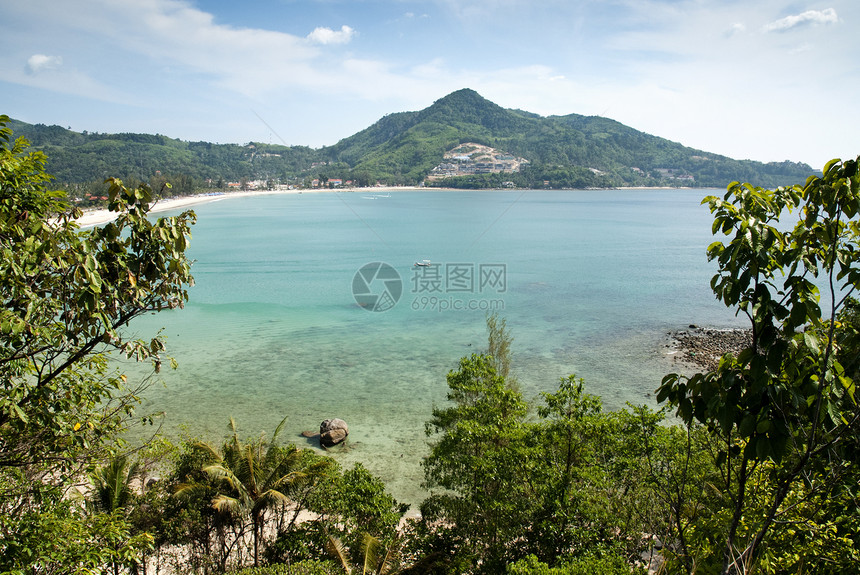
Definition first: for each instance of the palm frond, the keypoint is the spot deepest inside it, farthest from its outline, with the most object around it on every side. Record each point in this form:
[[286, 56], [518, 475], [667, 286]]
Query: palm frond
[[289, 480], [210, 454], [187, 489], [226, 504], [219, 472], [337, 550], [391, 561], [111, 484], [270, 498], [274, 440], [370, 551]]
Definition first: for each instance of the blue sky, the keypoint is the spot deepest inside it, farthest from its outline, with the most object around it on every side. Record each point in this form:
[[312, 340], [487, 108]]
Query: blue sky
[[768, 80]]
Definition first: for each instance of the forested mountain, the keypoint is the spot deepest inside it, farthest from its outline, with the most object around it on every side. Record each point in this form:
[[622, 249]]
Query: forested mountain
[[570, 151]]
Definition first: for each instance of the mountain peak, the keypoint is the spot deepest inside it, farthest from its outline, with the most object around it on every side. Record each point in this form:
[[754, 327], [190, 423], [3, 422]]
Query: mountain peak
[[464, 96], [468, 108], [461, 101], [404, 147]]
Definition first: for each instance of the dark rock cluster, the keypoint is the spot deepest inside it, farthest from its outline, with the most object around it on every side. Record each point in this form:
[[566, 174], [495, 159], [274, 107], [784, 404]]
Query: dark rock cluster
[[332, 432], [703, 347]]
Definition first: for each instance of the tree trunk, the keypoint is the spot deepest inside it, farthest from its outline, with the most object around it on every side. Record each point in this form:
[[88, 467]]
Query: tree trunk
[[256, 539]]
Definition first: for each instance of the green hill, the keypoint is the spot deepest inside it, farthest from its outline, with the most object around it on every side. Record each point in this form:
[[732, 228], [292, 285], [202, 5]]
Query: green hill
[[570, 151], [567, 151]]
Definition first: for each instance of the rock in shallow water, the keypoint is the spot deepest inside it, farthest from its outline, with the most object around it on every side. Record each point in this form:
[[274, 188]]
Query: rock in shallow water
[[332, 432], [703, 347]]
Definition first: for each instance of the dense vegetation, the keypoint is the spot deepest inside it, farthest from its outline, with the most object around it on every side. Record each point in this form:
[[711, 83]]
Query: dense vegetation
[[564, 152], [757, 473]]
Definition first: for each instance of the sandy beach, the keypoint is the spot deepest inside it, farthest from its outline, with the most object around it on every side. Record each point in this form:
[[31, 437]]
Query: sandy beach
[[102, 216]]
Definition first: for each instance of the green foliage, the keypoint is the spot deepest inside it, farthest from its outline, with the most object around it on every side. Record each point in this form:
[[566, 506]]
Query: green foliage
[[350, 506], [785, 406], [558, 488], [253, 477], [112, 484], [609, 564], [58, 537], [403, 148], [246, 490], [574, 482], [302, 542], [299, 568], [356, 501], [476, 459], [570, 435], [88, 157], [373, 559], [672, 472], [499, 341], [67, 296]]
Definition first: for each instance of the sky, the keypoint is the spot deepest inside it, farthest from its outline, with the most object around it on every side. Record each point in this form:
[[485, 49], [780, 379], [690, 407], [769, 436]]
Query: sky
[[767, 80]]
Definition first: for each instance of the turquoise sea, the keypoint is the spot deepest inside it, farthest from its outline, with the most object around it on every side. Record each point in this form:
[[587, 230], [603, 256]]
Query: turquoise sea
[[590, 282]]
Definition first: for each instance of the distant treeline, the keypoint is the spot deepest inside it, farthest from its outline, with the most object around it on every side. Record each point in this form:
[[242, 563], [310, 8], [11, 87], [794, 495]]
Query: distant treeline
[[401, 149]]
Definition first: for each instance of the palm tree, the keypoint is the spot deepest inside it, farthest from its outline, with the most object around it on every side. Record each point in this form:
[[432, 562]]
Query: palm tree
[[372, 562], [112, 488], [112, 484], [254, 476]]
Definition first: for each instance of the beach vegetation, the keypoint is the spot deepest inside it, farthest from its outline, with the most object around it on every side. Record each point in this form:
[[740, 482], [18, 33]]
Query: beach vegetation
[[473, 461], [783, 412], [250, 478], [574, 483], [262, 502], [750, 466], [312, 567], [67, 295]]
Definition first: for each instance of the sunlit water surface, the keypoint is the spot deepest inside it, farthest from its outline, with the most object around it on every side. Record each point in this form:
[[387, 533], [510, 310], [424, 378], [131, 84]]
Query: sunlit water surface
[[590, 282]]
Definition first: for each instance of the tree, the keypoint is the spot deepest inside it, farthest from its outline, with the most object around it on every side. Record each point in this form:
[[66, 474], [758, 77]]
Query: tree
[[255, 476], [112, 492], [569, 438], [478, 461], [350, 506], [784, 410], [672, 466], [562, 488], [67, 295], [373, 560], [499, 342]]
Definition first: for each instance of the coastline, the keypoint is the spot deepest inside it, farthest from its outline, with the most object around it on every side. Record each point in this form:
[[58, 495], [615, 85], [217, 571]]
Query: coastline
[[102, 216], [701, 348]]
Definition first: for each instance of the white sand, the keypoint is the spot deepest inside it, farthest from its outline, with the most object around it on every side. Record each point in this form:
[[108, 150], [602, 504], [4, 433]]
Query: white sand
[[99, 217]]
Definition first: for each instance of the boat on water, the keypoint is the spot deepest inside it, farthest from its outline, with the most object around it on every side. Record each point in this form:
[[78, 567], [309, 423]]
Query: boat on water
[[422, 263]]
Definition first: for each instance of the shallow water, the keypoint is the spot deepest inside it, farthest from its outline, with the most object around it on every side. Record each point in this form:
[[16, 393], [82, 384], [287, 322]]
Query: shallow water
[[589, 282]]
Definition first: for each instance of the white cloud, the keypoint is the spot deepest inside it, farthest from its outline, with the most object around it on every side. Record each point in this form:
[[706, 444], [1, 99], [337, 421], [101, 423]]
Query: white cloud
[[329, 36], [827, 16], [688, 71], [736, 29], [40, 62]]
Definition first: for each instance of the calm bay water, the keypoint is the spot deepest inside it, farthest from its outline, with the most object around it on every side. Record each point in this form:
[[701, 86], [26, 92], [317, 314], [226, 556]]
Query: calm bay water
[[589, 282]]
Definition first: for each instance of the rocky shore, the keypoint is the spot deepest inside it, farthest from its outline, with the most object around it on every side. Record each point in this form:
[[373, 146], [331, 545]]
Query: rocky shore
[[703, 347]]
